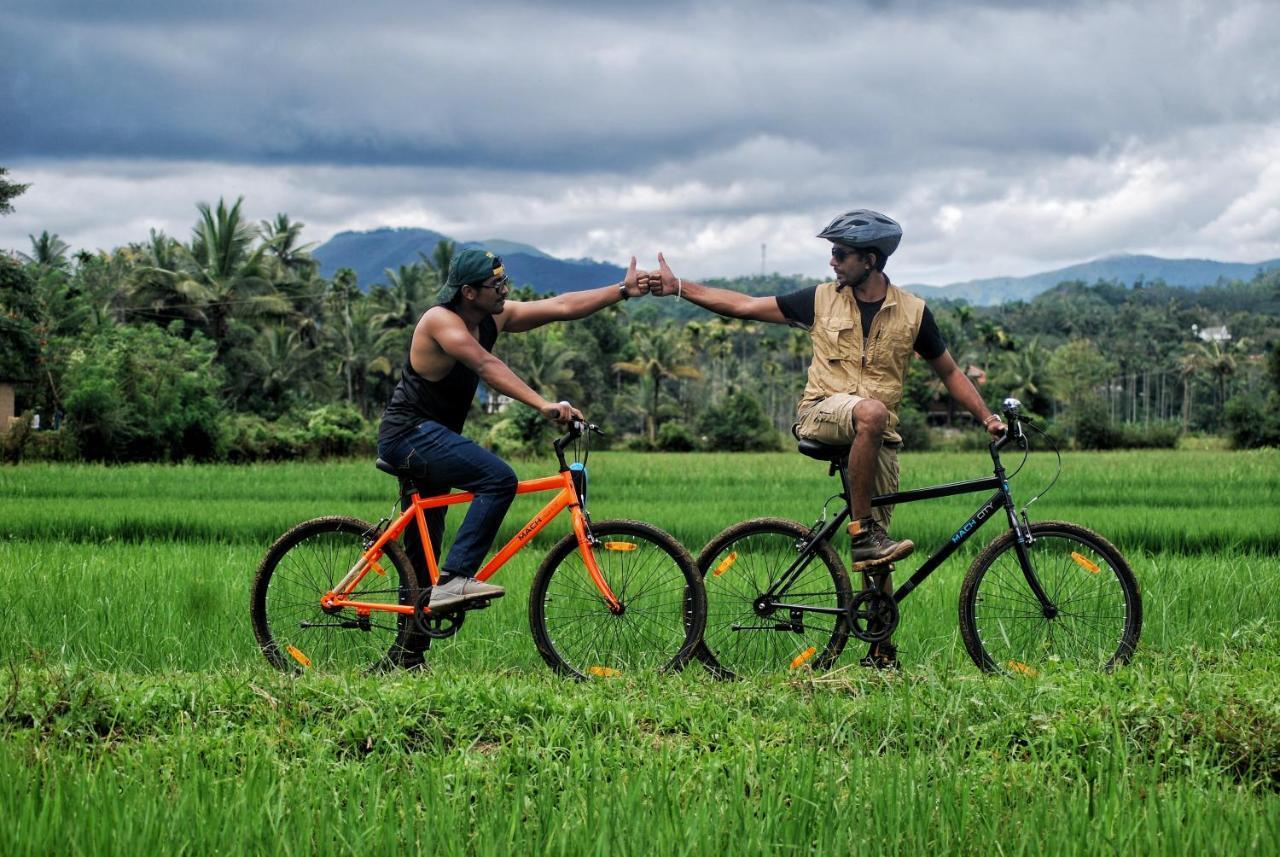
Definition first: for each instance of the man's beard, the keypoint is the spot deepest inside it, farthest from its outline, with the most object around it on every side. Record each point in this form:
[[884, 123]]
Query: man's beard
[[853, 284]]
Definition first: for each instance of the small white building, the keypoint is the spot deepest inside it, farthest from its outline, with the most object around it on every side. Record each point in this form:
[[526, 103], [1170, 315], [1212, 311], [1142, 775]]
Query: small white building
[[1212, 334]]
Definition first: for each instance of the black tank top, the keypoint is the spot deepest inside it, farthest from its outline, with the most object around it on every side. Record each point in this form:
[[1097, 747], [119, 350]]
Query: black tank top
[[445, 401]]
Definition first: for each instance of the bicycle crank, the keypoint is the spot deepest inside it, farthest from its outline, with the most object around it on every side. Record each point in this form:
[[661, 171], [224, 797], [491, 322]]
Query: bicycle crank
[[873, 616]]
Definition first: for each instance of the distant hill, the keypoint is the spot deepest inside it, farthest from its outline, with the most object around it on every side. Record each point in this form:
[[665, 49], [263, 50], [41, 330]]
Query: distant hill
[[1189, 273], [370, 254]]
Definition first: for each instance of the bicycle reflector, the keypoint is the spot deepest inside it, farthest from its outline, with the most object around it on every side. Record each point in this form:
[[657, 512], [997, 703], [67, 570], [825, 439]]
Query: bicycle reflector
[[619, 546], [803, 658], [1022, 669], [603, 672], [1084, 563], [725, 564], [298, 656]]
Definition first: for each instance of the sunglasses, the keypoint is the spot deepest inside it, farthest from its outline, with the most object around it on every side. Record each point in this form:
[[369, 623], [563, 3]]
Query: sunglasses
[[503, 285], [840, 253]]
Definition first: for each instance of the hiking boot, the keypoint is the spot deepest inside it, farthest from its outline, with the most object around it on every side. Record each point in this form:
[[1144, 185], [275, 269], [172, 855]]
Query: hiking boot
[[881, 656], [872, 545], [458, 589]]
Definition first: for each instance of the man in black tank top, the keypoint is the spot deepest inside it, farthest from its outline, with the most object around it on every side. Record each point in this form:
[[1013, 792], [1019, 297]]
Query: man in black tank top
[[421, 430]]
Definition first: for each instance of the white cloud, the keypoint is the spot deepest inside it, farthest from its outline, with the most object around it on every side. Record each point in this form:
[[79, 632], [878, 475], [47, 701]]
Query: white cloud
[[1007, 138]]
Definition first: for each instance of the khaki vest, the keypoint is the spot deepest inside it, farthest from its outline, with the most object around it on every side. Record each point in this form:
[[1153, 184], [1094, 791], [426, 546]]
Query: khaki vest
[[844, 363]]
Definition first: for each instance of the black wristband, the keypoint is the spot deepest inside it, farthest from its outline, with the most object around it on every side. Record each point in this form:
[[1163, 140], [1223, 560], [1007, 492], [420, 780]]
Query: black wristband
[[622, 290]]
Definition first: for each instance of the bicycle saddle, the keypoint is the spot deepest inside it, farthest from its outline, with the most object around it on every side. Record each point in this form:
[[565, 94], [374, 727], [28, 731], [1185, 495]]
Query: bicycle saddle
[[388, 467], [823, 451]]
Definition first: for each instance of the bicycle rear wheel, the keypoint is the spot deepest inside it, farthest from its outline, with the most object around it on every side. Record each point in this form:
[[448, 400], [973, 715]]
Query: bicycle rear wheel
[[746, 636], [1096, 608], [663, 603], [296, 633]]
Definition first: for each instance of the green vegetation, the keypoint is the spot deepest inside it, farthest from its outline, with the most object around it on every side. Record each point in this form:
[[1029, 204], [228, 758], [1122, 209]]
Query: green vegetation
[[136, 713], [253, 356]]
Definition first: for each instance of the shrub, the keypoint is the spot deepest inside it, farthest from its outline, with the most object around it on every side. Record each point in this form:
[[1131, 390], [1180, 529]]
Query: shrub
[[1252, 423], [676, 437], [1090, 426], [144, 394], [737, 422], [336, 430]]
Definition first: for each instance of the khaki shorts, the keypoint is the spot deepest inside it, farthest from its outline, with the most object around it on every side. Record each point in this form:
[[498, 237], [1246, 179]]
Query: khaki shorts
[[831, 421]]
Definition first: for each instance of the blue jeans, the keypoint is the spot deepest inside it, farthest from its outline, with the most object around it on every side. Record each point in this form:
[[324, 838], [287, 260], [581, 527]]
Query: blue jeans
[[438, 460]]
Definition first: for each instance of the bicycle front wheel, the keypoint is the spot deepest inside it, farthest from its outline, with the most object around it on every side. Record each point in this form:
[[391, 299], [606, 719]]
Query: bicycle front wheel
[[304, 564], [1092, 621], [663, 605], [748, 632]]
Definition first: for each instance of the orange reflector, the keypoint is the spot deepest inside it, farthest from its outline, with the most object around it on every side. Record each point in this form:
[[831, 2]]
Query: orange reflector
[[619, 546], [1019, 667], [603, 672], [1084, 563], [725, 563], [298, 656], [378, 569], [803, 657]]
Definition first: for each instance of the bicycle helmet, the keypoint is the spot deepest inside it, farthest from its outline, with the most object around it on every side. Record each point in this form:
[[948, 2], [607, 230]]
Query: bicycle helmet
[[864, 229]]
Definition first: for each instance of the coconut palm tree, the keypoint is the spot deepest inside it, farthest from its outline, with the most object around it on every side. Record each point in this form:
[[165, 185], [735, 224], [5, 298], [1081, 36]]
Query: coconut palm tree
[[281, 238], [48, 251], [220, 278], [660, 355]]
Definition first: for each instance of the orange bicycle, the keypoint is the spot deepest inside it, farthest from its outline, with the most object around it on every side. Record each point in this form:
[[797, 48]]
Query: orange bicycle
[[611, 596]]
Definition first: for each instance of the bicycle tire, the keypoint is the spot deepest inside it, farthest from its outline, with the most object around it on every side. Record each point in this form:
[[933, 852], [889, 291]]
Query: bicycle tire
[[1004, 627], [295, 632], [665, 607], [756, 553]]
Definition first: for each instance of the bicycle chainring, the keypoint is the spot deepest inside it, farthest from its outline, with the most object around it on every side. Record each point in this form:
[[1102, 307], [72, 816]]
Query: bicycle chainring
[[436, 627], [873, 616]]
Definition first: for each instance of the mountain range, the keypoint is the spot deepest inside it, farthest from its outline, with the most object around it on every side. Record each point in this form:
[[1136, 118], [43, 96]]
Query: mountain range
[[370, 254]]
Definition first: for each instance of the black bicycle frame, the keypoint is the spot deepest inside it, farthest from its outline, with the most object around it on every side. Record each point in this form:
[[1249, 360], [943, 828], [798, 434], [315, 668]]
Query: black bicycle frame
[[1001, 498]]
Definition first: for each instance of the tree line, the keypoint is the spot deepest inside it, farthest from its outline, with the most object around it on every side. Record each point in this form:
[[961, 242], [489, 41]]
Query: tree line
[[230, 346]]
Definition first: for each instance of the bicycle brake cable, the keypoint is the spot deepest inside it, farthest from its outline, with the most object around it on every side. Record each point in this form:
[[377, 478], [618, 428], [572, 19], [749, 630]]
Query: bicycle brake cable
[[1052, 481]]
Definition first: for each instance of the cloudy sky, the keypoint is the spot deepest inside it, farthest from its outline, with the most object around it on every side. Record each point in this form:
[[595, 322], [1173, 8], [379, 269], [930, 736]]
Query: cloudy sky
[[1007, 137]]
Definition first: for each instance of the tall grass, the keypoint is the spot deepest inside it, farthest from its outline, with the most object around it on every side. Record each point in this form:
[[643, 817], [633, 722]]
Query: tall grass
[[136, 712]]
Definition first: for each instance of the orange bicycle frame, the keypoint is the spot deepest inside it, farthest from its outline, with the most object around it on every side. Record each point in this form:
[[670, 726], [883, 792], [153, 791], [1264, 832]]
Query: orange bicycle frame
[[567, 498]]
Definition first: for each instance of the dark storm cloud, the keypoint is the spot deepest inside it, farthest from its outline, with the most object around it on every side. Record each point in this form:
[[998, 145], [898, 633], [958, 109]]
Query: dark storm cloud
[[572, 86]]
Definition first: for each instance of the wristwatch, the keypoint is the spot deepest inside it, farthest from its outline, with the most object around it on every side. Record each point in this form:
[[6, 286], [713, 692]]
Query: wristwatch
[[622, 290]]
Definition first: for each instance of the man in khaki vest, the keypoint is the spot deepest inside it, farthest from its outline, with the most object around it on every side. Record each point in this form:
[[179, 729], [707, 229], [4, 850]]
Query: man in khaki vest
[[864, 330]]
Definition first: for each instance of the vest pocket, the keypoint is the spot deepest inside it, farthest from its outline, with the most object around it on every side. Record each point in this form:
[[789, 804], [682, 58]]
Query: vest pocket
[[834, 340]]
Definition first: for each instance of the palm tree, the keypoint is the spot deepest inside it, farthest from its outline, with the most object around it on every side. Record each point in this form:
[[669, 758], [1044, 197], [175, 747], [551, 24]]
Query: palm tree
[[281, 237], [544, 360], [1022, 374], [441, 257], [221, 277], [660, 355], [48, 251], [355, 338]]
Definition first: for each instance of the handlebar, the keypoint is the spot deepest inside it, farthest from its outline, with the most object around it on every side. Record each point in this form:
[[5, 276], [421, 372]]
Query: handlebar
[[577, 428], [1011, 412]]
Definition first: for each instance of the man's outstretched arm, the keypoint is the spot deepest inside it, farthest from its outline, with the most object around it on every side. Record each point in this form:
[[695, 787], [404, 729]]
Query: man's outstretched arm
[[719, 301], [520, 316]]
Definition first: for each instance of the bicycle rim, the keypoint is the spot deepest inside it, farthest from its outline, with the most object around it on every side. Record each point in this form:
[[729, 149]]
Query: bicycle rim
[[296, 633], [1098, 607], [654, 579], [738, 567]]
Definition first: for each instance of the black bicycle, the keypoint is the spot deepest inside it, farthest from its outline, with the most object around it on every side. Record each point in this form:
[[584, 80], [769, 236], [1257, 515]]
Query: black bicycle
[[1041, 593]]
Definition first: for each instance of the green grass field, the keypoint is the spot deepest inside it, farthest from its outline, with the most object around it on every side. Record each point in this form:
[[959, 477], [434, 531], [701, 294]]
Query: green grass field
[[136, 712]]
